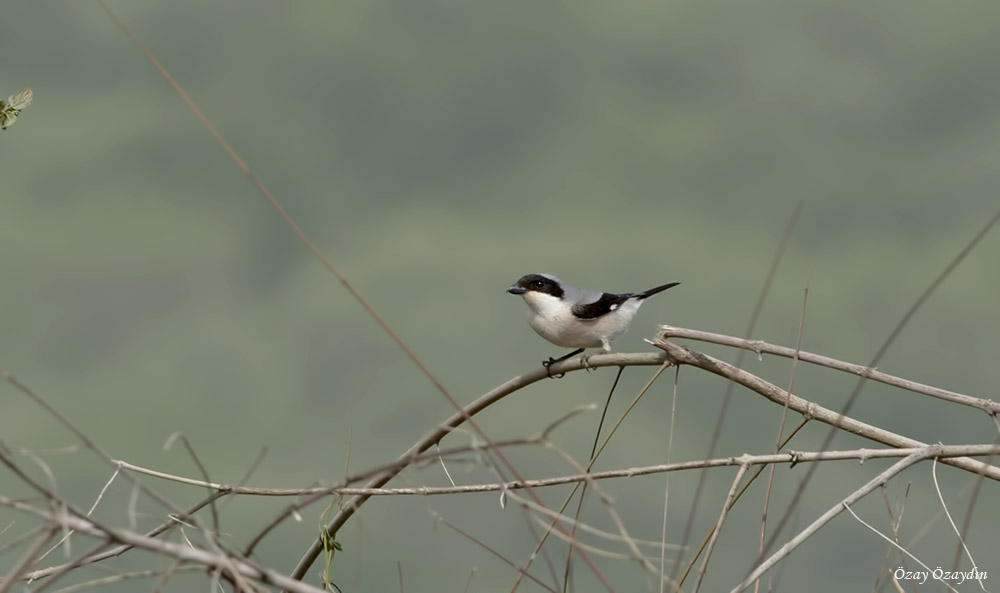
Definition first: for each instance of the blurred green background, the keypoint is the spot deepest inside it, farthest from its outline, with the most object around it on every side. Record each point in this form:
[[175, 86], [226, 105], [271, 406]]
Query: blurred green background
[[436, 151]]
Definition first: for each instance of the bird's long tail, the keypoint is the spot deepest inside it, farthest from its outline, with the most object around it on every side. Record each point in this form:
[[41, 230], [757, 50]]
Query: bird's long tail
[[652, 291]]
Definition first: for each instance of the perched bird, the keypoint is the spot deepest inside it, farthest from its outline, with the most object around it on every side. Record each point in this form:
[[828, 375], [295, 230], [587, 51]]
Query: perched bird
[[576, 318]]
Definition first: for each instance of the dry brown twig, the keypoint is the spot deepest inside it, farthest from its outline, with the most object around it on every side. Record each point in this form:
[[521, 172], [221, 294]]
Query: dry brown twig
[[792, 457], [760, 348]]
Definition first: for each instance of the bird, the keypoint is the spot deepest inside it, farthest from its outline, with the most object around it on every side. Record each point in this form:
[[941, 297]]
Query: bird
[[576, 318]]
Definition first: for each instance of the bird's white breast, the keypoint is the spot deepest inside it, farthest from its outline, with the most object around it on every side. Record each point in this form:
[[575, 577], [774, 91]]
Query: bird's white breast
[[553, 319]]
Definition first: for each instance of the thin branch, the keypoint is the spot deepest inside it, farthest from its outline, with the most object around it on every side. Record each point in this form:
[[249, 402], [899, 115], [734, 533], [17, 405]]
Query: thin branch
[[781, 430], [589, 547], [718, 525], [501, 557], [666, 482], [624, 536], [760, 347], [828, 516], [90, 512], [901, 548], [583, 491], [970, 509], [117, 578], [181, 552], [101, 554], [29, 557], [682, 355], [947, 514], [792, 457], [593, 458]]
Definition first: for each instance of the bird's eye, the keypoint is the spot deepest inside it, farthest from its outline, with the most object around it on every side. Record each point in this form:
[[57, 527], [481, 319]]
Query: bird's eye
[[538, 284]]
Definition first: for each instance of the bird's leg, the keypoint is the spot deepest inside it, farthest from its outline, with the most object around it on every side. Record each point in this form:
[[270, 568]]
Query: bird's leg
[[551, 361], [586, 358]]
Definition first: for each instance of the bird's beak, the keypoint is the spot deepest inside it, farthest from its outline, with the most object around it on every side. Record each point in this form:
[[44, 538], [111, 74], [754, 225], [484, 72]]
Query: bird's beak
[[516, 290]]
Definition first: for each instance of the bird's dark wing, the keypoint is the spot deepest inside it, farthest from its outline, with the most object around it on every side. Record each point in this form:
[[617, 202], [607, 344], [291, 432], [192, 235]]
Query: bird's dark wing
[[602, 306]]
